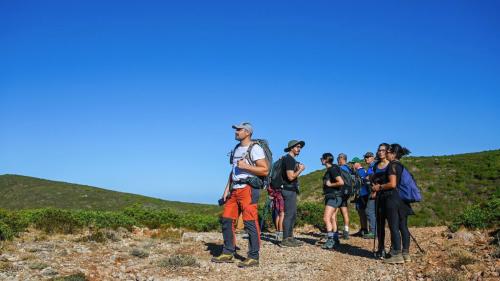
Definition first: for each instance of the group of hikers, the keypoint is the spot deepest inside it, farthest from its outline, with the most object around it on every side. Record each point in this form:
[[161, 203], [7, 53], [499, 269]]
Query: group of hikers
[[378, 198]]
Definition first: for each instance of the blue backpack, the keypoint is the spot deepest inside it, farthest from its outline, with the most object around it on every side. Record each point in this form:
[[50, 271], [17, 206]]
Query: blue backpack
[[407, 188]]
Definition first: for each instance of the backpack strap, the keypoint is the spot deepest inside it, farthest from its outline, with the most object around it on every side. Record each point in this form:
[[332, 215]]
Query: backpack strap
[[231, 157]]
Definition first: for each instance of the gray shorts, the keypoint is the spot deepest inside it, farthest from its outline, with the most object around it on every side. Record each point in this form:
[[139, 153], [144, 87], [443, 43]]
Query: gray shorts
[[337, 202]]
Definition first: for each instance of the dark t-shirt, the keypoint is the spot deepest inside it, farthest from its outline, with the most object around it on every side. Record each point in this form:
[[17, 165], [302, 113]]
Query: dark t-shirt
[[395, 168], [331, 174], [379, 175], [289, 164]]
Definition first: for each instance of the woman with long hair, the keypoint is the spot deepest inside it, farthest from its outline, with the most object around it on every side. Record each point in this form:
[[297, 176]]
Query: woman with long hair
[[379, 176], [393, 208]]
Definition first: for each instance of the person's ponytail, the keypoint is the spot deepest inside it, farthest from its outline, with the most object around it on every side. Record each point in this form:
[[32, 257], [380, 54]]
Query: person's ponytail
[[398, 150]]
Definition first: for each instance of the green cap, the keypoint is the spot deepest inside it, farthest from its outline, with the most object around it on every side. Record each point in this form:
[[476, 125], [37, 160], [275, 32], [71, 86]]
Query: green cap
[[356, 160]]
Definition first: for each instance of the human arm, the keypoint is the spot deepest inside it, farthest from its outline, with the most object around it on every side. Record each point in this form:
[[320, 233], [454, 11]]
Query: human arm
[[292, 175]]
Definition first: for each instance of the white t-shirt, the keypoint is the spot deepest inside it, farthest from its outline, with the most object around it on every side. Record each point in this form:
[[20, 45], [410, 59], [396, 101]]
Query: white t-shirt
[[240, 153]]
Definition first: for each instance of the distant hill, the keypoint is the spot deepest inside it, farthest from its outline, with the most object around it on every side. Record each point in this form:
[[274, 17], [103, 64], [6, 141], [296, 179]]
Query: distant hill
[[449, 184], [21, 192]]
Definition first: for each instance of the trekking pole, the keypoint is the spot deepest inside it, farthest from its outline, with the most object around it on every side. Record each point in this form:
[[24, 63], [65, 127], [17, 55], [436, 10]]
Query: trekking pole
[[377, 215], [416, 243]]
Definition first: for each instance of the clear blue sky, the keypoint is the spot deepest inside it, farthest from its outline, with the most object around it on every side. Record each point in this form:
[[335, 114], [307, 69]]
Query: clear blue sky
[[140, 96]]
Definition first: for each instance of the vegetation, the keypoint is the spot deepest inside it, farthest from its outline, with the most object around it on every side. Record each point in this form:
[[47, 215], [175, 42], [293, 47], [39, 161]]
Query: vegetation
[[21, 192], [52, 220], [449, 184]]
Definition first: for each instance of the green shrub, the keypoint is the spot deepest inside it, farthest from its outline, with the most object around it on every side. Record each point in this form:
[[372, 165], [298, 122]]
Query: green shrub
[[6, 232], [310, 213], [14, 222], [105, 219], [479, 216], [55, 220]]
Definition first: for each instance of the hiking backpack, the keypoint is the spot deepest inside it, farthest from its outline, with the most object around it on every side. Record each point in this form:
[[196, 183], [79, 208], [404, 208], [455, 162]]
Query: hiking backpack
[[276, 176], [348, 188], [257, 182], [407, 188], [357, 183]]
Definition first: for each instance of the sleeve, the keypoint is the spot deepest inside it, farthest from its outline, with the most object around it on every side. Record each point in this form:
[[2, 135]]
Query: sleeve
[[257, 153], [289, 163], [334, 172], [394, 169], [362, 173]]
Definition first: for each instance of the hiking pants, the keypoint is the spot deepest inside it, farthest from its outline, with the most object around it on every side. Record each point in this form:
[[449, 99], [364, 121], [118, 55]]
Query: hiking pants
[[396, 212], [242, 200], [361, 209], [370, 215], [290, 198]]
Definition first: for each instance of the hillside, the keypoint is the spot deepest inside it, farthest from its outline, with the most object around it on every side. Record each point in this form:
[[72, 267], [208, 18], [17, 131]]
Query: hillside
[[21, 192], [449, 184]]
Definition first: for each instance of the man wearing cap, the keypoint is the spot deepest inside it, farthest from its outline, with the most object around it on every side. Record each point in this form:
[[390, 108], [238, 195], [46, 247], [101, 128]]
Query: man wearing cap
[[370, 203], [292, 170], [362, 198], [239, 195], [342, 162]]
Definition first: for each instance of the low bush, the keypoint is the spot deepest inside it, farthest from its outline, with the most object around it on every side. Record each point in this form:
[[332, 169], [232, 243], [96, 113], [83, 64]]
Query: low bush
[[479, 216], [176, 261]]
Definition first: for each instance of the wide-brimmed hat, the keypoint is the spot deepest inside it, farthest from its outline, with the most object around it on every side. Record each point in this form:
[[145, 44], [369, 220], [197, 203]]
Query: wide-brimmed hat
[[293, 143]]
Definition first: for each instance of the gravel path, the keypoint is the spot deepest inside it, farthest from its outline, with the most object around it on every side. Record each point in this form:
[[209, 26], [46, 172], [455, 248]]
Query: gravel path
[[137, 256]]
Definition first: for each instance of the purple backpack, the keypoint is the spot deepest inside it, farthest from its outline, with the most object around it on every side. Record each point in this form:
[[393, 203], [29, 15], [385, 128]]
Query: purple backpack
[[408, 189]]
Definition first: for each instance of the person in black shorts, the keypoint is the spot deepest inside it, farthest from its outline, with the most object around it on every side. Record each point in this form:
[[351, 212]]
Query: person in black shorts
[[332, 183], [393, 208]]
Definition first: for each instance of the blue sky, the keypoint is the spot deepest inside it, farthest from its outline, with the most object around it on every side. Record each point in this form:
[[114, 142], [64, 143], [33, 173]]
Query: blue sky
[[140, 96]]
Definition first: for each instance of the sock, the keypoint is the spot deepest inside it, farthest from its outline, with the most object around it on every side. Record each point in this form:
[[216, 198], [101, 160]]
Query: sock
[[346, 228], [329, 235]]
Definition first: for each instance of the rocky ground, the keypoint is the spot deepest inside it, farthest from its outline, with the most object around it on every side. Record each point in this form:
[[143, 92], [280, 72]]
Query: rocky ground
[[173, 255]]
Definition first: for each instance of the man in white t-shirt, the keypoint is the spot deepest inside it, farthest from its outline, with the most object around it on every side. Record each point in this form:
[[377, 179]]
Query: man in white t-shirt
[[248, 161]]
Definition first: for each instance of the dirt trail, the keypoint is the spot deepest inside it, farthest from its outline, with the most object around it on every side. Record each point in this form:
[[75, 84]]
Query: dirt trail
[[137, 256]]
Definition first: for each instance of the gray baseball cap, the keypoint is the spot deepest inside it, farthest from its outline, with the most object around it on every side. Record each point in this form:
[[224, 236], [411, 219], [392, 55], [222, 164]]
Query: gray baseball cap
[[368, 154], [245, 125]]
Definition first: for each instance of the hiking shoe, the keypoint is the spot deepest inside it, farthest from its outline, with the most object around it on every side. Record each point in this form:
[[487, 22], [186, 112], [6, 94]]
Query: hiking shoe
[[360, 233], [223, 258], [345, 235], [329, 244], [369, 235], [406, 257], [291, 242], [248, 262], [380, 254], [395, 259]]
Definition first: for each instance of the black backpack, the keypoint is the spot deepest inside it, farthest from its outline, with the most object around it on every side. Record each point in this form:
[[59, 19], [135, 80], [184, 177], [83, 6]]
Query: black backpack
[[357, 183], [276, 175], [347, 189]]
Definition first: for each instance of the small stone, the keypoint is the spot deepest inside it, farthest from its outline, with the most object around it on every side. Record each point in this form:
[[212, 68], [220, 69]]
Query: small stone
[[49, 271]]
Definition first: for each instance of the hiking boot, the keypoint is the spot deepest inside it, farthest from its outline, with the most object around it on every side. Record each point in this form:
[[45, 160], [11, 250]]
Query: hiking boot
[[345, 235], [406, 257], [395, 259], [290, 242], [380, 254], [369, 235], [223, 258], [360, 233], [329, 244], [248, 262]]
